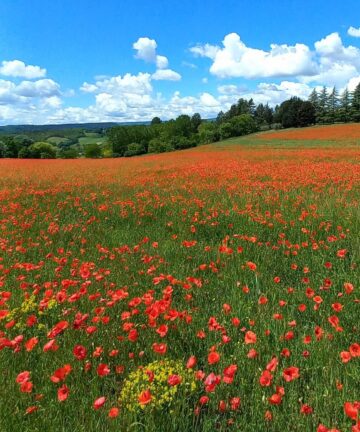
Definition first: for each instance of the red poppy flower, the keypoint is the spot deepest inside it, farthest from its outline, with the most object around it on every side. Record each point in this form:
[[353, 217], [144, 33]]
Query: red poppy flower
[[61, 373], [191, 363], [103, 369], [174, 380], [79, 352], [26, 387], [351, 410], [291, 373], [159, 348], [63, 393], [275, 399], [162, 330], [213, 357], [235, 403], [23, 377], [355, 350], [99, 402], [113, 412], [250, 337], [265, 379], [145, 397], [306, 409]]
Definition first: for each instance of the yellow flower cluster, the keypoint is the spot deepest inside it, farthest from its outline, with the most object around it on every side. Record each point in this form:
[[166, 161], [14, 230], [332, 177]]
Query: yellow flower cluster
[[27, 307], [154, 377]]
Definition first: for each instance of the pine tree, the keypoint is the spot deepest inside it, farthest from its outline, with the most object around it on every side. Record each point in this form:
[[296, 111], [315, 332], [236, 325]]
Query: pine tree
[[314, 99], [323, 106], [355, 104], [333, 105], [345, 106]]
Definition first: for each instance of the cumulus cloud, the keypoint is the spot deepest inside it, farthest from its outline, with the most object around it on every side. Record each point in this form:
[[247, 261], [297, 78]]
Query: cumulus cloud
[[353, 82], [337, 63], [40, 88], [17, 68], [121, 85], [28, 101], [146, 50], [235, 59], [329, 63], [166, 74], [161, 62], [354, 32]]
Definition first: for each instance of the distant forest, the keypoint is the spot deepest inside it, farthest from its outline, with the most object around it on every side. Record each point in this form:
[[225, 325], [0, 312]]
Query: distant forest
[[111, 140]]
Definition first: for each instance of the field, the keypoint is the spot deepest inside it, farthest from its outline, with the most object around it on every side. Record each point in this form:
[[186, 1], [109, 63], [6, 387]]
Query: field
[[92, 139], [212, 289]]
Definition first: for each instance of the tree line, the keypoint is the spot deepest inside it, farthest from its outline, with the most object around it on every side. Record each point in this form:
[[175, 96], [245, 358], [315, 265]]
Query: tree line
[[243, 117]]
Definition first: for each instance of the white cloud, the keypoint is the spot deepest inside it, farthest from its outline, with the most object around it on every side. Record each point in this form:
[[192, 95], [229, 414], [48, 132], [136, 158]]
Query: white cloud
[[161, 62], [17, 68], [332, 48], [40, 88], [329, 63], [206, 50], [337, 64], [134, 84], [189, 65], [146, 49], [235, 59], [353, 82], [354, 32], [166, 74], [28, 101]]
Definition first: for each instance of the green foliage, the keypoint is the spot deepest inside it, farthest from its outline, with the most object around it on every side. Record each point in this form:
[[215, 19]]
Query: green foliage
[[2, 149], [208, 132], [92, 151], [68, 153], [155, 120], [195, 122], [160, 145], [355, 104], [134, 149], [296, 113]]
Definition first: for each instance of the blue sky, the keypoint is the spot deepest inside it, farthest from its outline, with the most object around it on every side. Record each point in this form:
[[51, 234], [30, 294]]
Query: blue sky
[[85, 60]]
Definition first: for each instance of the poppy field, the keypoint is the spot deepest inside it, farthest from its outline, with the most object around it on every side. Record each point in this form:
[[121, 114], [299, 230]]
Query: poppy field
[[213, 289]]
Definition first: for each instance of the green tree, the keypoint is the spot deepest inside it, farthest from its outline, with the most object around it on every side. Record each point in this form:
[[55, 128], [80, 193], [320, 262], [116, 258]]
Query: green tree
[[68, 153], [134, 149], [92, 151], [195, 122], [295, 112], [355, 104], [323, 116], [243, 124], [314, 99], [306, 114], [160, 145], [226, 130], [345, 106], [333, 105], [2, 149], [156, 120], [208, 132]]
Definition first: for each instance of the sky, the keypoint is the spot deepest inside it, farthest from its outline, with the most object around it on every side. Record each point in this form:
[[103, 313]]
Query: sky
[[74, 61]]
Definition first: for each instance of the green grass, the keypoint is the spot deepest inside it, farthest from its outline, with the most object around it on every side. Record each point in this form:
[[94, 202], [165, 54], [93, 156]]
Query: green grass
[[92, 140]]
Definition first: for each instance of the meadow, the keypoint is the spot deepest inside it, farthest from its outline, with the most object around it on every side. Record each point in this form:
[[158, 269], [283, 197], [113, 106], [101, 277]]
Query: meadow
[[212, 289]]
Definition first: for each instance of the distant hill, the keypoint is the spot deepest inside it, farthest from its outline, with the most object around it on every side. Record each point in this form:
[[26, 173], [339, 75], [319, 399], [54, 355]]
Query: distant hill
[[19, 129]]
